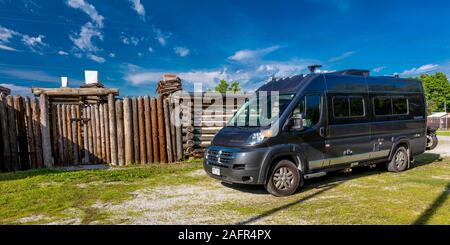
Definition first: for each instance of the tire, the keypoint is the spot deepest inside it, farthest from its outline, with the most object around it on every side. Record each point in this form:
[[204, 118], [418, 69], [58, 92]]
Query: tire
[[399, 161], [432, 141], [284, 179]]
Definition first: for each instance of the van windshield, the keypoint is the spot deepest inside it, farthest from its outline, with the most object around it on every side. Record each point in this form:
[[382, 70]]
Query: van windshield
[[261, 110]]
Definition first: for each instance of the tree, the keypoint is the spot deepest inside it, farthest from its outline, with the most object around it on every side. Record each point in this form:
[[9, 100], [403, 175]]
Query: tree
[[437, 91], [235, 87], [224, 87]]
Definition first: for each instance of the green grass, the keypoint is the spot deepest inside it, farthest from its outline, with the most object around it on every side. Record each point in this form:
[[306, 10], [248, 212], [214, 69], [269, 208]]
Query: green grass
[[443, 133], [65, 195], [364, 196]]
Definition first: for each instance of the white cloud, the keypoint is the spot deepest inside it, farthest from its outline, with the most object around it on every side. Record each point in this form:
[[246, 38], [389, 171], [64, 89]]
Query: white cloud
[[182, 51], [249, 77], [420, 70], [129, 40], [96, 58], [83, 41], [63, 53], [151, 50], [112, 55], [7, 48], [140, 54], [6, 34], [342, 56], [252, 55], [138, 7], [17, 90], [378, 69], [34, 43], [161, 36], [30, 75], [89, 9]]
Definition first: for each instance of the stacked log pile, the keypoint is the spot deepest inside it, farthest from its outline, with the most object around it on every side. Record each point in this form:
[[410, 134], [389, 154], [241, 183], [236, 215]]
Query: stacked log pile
[[203, 115], [169, 85]]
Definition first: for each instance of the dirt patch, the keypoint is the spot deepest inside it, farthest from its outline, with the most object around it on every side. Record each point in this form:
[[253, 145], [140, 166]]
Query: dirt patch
[[181, 205]]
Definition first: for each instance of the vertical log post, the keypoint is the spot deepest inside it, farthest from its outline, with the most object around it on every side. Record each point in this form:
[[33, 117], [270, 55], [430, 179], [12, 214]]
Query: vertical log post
[[107, 140], [155, 131], [85, 136], [128, 131], [94, 158], [90, 135], [30, 132], [45, 129], [112, 128], [98, 139], [6, 146], [73, 117], [167, 130], [80, 136], [142, 146], [161, 129], [65, 158], [134, 113], [69, 135], [120, 133], [178, 130], [172, 128], [102, 132], [24, 160], [148, 129], [37, 132], [55, 140], [60, 134], [12, 129]]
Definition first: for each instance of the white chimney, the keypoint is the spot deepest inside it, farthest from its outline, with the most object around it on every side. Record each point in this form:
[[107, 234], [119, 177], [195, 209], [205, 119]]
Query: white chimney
[[91, 77], [64, 82]]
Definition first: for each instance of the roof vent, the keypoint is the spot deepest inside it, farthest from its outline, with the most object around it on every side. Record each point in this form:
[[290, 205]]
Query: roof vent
[[354, 72], [312, 68]]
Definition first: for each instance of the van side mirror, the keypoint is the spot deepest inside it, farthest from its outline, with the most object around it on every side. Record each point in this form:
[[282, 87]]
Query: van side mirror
[[297, 121]]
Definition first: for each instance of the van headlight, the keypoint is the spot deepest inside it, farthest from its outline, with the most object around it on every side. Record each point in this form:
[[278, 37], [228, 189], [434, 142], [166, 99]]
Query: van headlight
[[259, 137]]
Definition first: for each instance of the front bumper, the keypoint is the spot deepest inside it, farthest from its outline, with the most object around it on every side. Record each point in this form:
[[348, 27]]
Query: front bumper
[[242, 166]]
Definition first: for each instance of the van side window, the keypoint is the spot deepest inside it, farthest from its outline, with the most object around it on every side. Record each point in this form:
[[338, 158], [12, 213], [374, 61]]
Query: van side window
[[382, 106], [348, 106], [400, 106], [386, 106], [310, 106]]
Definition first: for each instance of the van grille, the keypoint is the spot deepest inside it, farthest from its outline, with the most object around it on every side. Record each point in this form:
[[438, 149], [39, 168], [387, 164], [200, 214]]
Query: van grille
[[220, 157]]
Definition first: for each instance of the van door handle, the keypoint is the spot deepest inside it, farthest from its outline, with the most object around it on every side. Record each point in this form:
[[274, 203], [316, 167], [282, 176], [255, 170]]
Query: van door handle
[[322, 131]]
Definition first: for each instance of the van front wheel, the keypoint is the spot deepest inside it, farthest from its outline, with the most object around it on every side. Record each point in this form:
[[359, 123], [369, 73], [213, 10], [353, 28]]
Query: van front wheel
[[284, 179]]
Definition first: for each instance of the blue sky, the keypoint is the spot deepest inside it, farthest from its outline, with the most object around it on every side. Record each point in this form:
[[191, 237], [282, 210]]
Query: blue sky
[[133, 42]]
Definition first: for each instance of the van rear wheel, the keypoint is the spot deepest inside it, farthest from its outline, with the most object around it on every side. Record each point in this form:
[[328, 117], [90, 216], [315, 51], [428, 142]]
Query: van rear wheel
[[284, 179], [399, 161]]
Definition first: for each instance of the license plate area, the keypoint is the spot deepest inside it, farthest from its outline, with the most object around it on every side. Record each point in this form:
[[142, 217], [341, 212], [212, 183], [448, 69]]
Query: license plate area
[[215, 171]]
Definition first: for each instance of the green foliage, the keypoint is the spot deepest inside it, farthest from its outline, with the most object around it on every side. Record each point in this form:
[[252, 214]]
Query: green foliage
[[437, 91], [224, 87]]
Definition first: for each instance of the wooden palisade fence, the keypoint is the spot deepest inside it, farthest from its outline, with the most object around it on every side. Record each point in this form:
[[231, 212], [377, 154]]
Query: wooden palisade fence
[[41, 132]]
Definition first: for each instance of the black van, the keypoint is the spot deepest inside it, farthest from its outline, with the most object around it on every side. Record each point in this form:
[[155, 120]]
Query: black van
[[326, 122]]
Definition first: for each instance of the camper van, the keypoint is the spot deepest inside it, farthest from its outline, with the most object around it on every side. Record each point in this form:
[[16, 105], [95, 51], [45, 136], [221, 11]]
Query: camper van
[[325, 122]]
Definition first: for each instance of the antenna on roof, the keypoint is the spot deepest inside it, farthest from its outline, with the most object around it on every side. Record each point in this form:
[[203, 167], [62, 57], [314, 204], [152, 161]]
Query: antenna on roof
[[312, 68]]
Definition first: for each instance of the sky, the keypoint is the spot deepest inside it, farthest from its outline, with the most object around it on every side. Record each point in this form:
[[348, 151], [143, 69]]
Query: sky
[[133, 42]]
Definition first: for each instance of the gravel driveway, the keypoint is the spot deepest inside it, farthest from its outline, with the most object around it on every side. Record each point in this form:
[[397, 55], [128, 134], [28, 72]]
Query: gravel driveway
[[443, 147]]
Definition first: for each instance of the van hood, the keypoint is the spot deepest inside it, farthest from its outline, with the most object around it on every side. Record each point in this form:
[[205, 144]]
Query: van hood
[[234, 136]]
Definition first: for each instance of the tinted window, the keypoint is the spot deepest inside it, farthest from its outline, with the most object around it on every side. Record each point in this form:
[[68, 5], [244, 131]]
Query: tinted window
[[382, 106], [310, 107], [340, 107], [356, 107], [400, 106]]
